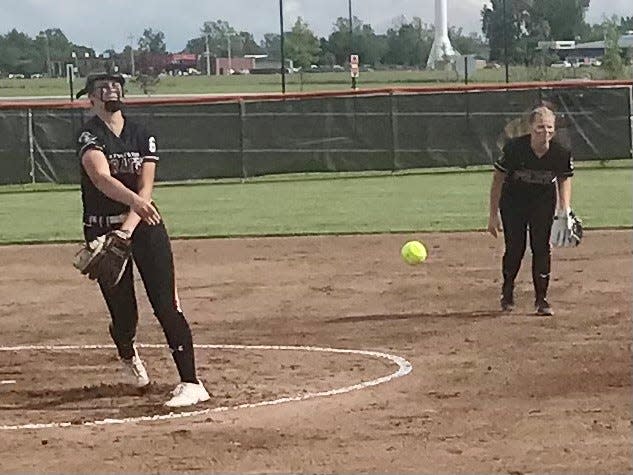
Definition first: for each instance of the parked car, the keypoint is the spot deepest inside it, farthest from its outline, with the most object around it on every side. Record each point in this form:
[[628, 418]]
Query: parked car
[[561, 64]]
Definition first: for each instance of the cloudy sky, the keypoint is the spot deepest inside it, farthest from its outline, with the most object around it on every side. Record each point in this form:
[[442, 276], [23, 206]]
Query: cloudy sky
[[108, 23]]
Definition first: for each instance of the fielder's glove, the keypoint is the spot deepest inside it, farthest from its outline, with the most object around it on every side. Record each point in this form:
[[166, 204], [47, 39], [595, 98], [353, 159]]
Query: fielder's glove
[[566, 229], [105, 257]]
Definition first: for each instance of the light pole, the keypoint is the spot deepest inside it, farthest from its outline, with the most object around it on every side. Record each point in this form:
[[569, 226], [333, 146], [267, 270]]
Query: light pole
[[74, 56], [351, 40], [132, 65], [206, 53], [228, 45], [505, 42], [70, 72], [283, 55]]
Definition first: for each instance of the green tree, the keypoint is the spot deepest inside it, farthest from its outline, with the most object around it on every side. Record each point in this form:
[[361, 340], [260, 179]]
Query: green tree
[[612, 62], [339, 39], [218, 33], [12, 52], [472, 43], [371, 47], [248, 44], [20, 54], [271, 45], [564, 18], [195, 45], [589, 33], [527, 22], [409, 44], [626, 24], [124, 60], [60, 46], [498, 30], [326, 56], [302, 47], [152, 42]]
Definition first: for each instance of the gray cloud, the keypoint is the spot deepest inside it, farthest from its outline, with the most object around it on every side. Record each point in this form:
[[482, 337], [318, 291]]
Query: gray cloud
[[108, 23]]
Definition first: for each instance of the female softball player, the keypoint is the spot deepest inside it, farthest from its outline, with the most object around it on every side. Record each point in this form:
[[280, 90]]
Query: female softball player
[[528, 177], [118, 162]]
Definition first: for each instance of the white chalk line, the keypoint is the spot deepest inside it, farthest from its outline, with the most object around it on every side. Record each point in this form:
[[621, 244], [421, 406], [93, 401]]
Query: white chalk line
[[7, 381], [404, 368]]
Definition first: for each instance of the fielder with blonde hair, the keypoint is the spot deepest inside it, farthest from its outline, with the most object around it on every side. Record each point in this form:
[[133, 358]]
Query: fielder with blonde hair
[[531, 193]]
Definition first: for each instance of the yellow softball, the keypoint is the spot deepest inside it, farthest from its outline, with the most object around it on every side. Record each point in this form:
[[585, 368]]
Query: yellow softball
[[413, 252]]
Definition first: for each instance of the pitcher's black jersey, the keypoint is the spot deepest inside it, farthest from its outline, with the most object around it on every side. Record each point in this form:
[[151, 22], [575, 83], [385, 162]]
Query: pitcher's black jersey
[[529, 177], [125, 155]]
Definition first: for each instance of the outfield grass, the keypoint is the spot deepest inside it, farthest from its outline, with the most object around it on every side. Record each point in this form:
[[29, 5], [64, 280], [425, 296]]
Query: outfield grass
[[299, 82], [367, 204]]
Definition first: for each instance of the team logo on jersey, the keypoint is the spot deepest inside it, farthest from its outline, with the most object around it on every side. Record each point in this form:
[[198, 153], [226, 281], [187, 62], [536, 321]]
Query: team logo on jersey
[[128, 162], [87, 138]]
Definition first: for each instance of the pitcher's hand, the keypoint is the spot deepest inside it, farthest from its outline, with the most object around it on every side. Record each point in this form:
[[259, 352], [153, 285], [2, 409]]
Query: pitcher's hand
[[494, 224], [146, 210]]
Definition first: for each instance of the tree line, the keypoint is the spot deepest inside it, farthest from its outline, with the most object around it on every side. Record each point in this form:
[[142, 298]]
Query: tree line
[[524, 23], [518, 28]]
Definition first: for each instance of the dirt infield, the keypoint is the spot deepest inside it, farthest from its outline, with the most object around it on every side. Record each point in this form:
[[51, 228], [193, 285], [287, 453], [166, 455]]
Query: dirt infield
[[487, 393]]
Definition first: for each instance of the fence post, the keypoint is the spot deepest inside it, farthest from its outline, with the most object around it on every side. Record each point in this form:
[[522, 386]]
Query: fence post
[[242, 111], [631, 118], [29, 115], [394, 131]]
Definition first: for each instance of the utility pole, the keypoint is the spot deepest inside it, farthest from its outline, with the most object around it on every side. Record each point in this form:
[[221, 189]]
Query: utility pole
[[283, 56], [131, 38], [505, 42], [351, 41], [206, 53], [228, 43]]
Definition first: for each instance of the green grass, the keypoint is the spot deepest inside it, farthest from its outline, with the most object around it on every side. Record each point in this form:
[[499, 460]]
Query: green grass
[[300, 82], [349, 204]]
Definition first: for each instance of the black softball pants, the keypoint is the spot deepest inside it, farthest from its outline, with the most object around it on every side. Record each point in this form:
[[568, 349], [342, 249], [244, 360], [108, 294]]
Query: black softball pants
[[535, 218], [152, 254]]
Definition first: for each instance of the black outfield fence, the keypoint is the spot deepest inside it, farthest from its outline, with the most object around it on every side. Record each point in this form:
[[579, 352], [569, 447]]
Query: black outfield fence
[[397, 129]]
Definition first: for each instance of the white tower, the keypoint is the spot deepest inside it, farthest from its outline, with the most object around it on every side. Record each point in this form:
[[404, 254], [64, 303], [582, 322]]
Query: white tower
[[442, 48]]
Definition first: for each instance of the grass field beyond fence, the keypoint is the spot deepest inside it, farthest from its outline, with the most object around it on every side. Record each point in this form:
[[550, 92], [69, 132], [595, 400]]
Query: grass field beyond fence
[[366, 204], [303, 82]]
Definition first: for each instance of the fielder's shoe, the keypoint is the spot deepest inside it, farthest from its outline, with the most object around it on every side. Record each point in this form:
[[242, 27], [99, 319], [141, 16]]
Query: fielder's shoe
[[507, 303], [134, 370], [188, 394], [543, 308]]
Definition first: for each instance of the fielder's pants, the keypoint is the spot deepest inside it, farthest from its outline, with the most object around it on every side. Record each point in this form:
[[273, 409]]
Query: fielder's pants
[[151, 252], [519, 219]]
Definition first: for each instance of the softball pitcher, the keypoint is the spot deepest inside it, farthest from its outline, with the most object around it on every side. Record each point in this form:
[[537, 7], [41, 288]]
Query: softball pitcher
[[118, 162]]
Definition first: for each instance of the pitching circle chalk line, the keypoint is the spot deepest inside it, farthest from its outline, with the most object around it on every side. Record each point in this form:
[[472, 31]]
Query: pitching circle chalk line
[[404, 368]]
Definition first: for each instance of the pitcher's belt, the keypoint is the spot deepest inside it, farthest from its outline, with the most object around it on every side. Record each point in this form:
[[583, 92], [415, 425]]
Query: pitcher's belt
[[103, 221]]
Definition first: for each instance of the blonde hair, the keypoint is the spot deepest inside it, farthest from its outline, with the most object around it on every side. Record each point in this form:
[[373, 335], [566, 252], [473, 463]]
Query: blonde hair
[[541, 111]]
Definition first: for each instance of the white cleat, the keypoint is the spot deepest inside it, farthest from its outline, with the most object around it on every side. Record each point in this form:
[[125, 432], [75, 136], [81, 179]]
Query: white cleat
[[188, 394], [134, 371]]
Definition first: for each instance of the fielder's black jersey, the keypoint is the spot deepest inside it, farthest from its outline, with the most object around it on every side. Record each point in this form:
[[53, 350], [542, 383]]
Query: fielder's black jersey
[[125, 155], [529, 177]]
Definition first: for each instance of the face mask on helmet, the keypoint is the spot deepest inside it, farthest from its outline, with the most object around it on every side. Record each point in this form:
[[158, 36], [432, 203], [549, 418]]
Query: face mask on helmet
[[106, 92]]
